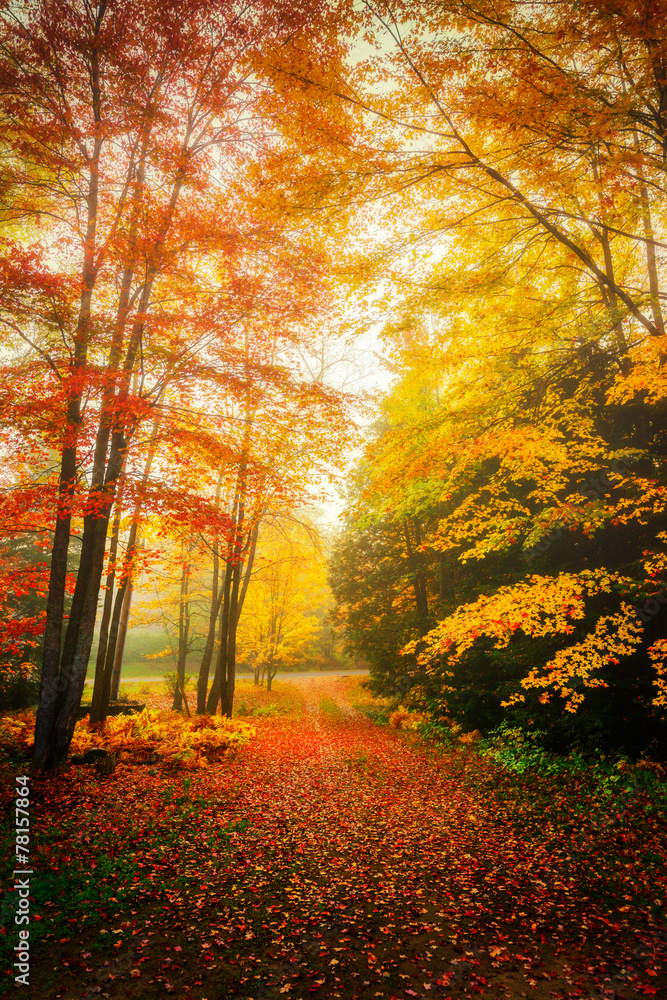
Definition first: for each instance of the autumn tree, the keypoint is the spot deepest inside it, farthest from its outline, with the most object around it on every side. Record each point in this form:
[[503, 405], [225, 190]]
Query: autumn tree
[[128, 132], [520, 169], [286, 598]]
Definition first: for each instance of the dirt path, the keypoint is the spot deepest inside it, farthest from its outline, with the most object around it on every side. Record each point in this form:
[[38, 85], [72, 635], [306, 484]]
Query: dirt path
[[361, 865]]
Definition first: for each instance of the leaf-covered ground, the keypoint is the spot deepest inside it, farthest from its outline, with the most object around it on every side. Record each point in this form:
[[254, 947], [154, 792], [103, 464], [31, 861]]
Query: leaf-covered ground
[[332, 857]]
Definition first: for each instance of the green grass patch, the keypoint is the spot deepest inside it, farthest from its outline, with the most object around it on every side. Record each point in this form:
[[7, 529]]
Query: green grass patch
[[329, 707]]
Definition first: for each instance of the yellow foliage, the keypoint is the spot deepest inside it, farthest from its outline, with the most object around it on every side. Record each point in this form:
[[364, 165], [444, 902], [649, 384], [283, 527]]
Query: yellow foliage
[[658, 654], [539, 607], [167, 734], [615, 636], [403, 718]]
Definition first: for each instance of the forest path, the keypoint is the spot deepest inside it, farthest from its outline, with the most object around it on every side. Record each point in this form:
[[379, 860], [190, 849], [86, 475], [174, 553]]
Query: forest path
[[371, 866], [360, 863]]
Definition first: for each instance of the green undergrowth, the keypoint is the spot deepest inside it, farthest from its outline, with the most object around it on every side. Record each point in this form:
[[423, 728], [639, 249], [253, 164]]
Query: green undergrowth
[[243, 710], [360, 696], [86, 874], [521, 753], [329, 707], [254, 701], [378, 715]]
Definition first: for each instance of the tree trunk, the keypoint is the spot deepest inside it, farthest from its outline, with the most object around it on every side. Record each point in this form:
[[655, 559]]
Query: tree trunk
[[228, 691], [183, 636], [122, 603], [96, 710], [216, 599], [249, 564], [54, 730], [220, 677], [74, 666], [121, 632], [54, 682], [207, 657], [418, 583]]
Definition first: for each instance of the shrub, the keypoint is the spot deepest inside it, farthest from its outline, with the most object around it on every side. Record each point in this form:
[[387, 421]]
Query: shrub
[[19, 685], [170, 737], [402, 718]]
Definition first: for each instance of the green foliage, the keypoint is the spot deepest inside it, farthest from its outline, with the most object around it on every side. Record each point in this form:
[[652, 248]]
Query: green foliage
[[366, 567], [267, 711], [330, 708], [19, 686], [379, 715], [518, 750]]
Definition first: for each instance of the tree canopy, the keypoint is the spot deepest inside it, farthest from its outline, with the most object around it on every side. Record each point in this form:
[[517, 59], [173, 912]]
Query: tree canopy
[[198, 198]]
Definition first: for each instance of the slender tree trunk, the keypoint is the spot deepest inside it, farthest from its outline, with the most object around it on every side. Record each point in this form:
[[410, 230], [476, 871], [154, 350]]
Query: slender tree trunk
[[51, 683], [444, 584], [119, 639], [249, 564], [74, 667], [227, 690], [228, 693], [54, 681], [110, 680], [121, 607], [651, 261], [216, 599], [418, 583], [205, 666], [183, 636], [98, 687], [220, 677], [259, 665], [207, 657]]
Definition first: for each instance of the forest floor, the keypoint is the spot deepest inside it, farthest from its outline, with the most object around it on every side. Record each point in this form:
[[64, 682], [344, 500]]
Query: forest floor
[[332, 857]]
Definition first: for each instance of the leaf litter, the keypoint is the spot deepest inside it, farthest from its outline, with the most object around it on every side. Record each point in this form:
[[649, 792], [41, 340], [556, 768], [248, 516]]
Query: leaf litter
[[331, 857]]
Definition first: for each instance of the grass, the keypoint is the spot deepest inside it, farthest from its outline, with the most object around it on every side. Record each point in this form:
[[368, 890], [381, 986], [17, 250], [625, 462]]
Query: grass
[[252, 700], [115, 880], [356, 691], [133, 667], [330, 708]]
